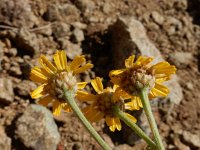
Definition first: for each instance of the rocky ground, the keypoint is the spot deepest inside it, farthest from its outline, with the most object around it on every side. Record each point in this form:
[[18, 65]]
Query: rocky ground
[[106, 32]]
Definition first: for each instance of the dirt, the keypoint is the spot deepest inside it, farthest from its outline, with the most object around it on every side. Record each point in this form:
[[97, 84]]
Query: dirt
[[30, 28]]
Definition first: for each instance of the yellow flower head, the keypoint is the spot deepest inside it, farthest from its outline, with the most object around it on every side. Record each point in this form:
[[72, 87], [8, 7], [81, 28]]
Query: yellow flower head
[[141, 74], [53, 76], [102, 104]]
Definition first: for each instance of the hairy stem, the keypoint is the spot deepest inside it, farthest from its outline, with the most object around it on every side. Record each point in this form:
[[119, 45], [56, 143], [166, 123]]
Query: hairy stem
[[69, 97]]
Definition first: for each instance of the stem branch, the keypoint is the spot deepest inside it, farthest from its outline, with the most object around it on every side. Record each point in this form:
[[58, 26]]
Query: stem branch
[[69, 97], [150, 118], [133, 126]]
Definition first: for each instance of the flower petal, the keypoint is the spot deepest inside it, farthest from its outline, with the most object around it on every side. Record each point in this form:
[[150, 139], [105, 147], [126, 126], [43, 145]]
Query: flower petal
[[57, 107], [84, 96], [129, 61], [45, 100], [47, 65], [110, 123], [131, 117], [83, 68], [75, 64], [163, 68], [66, 107], [159, 90], [39, 91], [117, 123], [97, 84], [38, 75], [57, 60], [63, 59], [134, 104], [81, 85]]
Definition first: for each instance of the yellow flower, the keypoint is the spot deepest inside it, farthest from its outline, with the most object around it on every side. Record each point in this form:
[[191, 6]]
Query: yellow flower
[[53, 76], [141, 74], [102, 103]]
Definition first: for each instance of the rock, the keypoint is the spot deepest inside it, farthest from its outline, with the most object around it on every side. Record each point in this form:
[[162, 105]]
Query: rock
[[79, 35], [6, 90], [180, 145], [27, 42], [72, 50], [85, 5], [5, 142], [191, 138], [159, 19], [129, 37], [60, 29], [36, 129], [22, 13], [25, 87], [181, 58]]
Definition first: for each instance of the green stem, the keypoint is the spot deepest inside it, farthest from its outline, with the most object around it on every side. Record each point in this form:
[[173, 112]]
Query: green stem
[[69, 97], [133, 126], [150, 117]]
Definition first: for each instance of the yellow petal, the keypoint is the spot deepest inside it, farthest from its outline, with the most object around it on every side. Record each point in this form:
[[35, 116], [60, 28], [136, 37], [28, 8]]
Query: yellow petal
[[57, 61], [160, 90], [143, 60], [117, 124], [129, 61], [98, 116], [66, 107], [77, 62], [81, 85], [163, 68], [45, 100], [57, 107], [131, 117], [83, 68], [110, 123], [134, 104], [63, 59], [38, 75], [97, 84], [84, 96], [39, 91], [116, 72], [47, 65]]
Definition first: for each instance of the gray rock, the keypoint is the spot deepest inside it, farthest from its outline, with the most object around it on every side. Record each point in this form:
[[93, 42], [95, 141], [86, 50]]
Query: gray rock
[[191, 138], [129, 37], [5, 142], [6, 90], [37, 129]]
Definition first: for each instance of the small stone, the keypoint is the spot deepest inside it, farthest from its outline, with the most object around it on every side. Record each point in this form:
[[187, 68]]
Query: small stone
[[159, 19], [77, 146], [36, 129], [180, 145], [79, 35], [5, 142], [25, 87], [191, 138], [6, 88], [181, 58], [15, 71], [12, 52], [72, 50], [61, 29]]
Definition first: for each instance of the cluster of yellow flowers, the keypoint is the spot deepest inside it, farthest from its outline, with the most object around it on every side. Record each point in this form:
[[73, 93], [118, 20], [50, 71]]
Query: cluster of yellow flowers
[[124, 93]]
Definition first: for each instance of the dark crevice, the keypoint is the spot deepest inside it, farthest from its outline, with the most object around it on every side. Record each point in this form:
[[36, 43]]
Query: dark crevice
[[193, 10]]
